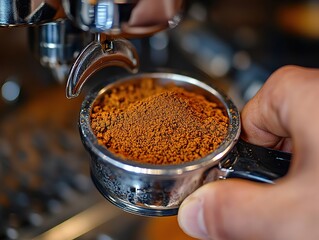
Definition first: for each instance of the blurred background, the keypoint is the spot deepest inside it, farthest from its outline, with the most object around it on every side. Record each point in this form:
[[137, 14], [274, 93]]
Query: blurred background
[[46, 191]]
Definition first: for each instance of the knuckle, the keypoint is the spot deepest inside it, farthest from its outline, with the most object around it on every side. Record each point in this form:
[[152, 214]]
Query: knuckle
[[287, 74]]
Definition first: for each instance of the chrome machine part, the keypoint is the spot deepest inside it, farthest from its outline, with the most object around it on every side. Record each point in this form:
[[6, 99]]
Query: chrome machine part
[[99, 16], [97, 55], [15, 13], [56, 45], [109, 18], [158, 190], [53, 40]]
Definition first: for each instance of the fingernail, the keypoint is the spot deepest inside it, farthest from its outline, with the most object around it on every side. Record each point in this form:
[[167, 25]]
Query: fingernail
[[191, 218]]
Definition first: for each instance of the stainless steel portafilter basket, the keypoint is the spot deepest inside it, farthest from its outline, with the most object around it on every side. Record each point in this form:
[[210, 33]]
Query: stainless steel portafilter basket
[[158, 190]]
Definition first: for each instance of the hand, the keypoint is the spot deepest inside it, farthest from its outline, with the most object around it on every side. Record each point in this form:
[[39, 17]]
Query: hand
[[284, 114], [151, 16], [154, 12]]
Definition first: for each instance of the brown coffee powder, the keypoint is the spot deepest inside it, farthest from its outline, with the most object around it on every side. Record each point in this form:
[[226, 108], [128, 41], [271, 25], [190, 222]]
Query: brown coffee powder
[[153, 124]]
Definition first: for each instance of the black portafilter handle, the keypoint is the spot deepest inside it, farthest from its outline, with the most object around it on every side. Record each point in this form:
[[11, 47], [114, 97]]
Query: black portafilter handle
[[258, 163]]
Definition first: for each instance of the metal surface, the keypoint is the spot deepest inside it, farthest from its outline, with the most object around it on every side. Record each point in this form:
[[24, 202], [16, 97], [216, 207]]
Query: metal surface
[[58, 43], [56, 46], [99, 16], [153, 190], [111, 17], [29, 12], [97, 55], [107, 16], [158, 190]]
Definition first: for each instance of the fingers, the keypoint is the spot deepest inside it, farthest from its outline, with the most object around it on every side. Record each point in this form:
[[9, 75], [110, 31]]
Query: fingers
[[234, 209], [262, 123], [150, 12], [237, 209], [282, 108]]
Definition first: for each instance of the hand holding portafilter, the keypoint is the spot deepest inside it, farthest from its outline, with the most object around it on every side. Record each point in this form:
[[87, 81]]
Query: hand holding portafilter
[[283, 115], [158, 190]]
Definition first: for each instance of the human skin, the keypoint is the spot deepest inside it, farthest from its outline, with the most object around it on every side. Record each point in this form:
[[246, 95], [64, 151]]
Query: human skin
[[284, 115], [149, 17], [151, 12]]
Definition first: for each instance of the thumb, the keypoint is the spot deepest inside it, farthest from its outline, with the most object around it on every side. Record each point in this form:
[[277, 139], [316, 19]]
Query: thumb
[[229, 209]]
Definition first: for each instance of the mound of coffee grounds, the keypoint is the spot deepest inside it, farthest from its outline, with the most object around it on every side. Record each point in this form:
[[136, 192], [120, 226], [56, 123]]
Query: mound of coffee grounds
[[156, 124]]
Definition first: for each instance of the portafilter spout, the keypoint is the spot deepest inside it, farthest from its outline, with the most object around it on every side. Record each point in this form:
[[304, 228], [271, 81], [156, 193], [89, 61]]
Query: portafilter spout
[[99, 54]]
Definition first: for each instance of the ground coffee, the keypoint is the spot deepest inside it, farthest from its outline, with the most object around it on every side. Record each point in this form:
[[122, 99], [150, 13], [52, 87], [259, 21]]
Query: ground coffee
[[155, 124]]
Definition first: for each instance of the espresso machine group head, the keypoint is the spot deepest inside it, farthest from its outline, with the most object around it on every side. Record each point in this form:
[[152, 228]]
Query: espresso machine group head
[[75, 38]]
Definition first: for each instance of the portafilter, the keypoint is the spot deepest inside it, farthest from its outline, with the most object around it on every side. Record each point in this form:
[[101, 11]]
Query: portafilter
[[158, 190]]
